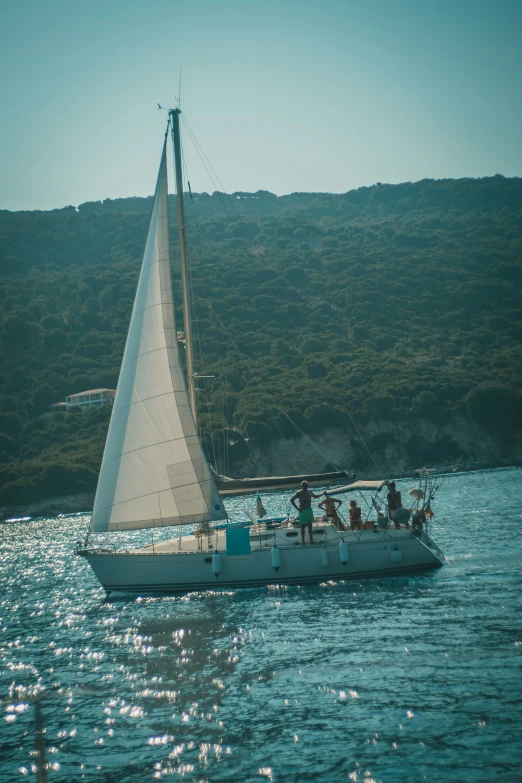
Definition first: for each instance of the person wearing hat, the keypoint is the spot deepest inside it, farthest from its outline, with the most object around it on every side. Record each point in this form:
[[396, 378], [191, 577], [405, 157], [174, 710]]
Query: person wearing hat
[[330, 506], [304, 509]]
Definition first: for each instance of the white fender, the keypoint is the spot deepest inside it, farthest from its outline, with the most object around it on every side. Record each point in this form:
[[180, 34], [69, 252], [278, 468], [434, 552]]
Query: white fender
[[343, 552], [216, 563], [396, 555], [276, 558], [324, 558]]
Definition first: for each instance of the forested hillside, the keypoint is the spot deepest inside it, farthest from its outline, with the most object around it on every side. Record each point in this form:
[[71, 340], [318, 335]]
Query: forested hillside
[[394, 302]]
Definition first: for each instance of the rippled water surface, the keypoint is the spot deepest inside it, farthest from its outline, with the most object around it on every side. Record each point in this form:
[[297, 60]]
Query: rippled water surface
[[404, 679]]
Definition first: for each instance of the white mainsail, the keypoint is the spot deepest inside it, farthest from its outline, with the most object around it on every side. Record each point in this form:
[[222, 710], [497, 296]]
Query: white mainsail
[[154, 472]]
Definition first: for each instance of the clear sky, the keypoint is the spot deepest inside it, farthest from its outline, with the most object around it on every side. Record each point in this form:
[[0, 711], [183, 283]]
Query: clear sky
[[295, 95]]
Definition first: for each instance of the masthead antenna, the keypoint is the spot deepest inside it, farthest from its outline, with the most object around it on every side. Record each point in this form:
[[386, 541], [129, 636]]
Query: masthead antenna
[[179, 89], [164, 108]]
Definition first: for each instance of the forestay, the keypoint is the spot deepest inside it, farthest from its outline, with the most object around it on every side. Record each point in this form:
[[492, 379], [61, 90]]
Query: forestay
[[154, 472]]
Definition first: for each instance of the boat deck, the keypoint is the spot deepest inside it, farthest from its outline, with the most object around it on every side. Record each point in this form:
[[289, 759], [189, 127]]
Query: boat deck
[[324, 533], [259, 556]]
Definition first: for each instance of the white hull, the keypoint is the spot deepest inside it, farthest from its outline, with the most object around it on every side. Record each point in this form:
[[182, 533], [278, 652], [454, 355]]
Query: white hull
[[171, 567]]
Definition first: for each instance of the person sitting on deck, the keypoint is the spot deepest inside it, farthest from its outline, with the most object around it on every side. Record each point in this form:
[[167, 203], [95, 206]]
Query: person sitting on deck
[[306, 514], [419, 519], [394, 502], [355, 516], [330, 506]]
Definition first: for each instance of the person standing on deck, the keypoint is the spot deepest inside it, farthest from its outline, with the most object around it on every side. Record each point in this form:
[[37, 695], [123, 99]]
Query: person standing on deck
[[330, 506], [418, 521], [394, 502], [305, 512], [355, 516]]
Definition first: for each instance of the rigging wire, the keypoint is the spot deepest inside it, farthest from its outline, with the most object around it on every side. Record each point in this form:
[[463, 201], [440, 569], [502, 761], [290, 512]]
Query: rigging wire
[[216, 181], [191, 303], [364, 443], [310, 441], [225, 388], [214, 319], [224, 197], [204, 158], [195, 320], [197, 341], [213, 176], [268, 399]]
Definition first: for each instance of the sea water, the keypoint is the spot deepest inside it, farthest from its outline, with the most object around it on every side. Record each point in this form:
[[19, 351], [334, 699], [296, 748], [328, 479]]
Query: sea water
[[414, 678]]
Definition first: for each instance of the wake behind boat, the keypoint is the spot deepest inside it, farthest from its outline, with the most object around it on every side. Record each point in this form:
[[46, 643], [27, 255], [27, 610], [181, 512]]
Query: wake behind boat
[[154, 472]]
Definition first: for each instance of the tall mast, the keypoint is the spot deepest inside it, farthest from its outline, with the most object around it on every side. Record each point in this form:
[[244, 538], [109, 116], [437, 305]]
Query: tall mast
[[176, 141]]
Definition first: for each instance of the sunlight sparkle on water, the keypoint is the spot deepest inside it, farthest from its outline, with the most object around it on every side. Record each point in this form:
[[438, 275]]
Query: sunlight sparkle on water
[[271, 684]]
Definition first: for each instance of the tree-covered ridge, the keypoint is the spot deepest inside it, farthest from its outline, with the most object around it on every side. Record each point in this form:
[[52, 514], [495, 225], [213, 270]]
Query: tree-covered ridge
[[395, 301]]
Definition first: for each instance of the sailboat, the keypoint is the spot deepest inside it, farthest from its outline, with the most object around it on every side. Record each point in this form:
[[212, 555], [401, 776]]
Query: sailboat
[[155, 474]]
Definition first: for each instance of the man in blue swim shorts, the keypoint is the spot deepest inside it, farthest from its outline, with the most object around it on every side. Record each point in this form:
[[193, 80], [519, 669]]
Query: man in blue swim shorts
[[305, 512]]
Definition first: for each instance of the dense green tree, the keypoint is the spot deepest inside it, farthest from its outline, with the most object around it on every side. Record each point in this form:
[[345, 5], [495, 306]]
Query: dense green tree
[[20, 330], [398, 302], [496, 408]]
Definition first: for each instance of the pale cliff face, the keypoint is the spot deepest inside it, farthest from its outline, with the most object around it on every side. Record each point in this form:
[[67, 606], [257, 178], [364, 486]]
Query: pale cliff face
[[396, 448]]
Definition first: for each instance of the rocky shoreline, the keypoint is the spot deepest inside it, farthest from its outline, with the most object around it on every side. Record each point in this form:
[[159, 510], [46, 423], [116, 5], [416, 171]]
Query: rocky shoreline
[[392, 450], [50, 507], [78, 504]]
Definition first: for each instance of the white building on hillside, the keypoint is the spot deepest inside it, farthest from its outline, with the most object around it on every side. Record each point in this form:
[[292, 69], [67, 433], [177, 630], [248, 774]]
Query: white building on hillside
[[94, 398]]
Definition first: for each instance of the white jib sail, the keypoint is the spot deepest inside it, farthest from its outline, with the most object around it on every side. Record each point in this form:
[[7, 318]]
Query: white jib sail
[[154, 471]]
